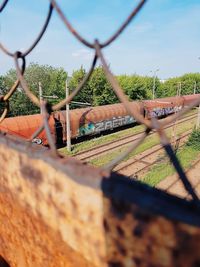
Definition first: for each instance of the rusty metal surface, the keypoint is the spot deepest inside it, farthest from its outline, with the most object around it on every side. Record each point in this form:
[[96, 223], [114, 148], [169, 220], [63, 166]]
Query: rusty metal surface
[[48, 217], [59, 212], [145, 227], [136, 237]]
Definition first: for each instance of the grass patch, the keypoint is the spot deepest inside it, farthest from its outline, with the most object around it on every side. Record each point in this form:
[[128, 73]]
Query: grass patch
[[102, 140], [187, 155], [147, 144]]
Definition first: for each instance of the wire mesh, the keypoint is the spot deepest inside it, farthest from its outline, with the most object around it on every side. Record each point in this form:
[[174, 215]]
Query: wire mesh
[[131, 107]]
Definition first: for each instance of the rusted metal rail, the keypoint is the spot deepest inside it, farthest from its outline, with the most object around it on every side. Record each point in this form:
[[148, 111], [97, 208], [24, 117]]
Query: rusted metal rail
[[64, 213], [144, 159]]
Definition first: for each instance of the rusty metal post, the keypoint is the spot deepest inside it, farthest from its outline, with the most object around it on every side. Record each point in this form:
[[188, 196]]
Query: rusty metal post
[[68, 131]]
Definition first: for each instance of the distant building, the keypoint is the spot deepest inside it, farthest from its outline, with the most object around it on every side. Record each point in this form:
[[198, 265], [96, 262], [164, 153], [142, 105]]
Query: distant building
[[163, 80]]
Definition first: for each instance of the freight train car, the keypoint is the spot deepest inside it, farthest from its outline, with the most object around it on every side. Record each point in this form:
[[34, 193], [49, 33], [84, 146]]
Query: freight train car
[[163, 106], [92, 120], [25, 126]]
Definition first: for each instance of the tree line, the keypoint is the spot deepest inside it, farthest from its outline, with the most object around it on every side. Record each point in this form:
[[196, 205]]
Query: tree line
[[97, 91]]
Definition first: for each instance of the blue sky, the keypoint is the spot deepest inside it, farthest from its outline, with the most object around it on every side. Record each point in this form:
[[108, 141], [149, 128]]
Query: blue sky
[[164, 35]]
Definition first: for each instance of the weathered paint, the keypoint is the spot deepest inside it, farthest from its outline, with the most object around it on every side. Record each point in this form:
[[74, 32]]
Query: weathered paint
[[158, 112], [60, 212], [93, 128]]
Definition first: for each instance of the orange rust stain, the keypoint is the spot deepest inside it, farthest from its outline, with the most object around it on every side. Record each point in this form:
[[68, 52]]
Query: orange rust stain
[[25, 240]]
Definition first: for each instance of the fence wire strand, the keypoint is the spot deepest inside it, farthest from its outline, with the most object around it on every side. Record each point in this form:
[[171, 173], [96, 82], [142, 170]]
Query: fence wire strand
[[3, 5], [131, 107]]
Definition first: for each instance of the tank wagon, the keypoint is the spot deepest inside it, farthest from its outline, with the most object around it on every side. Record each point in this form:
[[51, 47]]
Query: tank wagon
[[92, 120]]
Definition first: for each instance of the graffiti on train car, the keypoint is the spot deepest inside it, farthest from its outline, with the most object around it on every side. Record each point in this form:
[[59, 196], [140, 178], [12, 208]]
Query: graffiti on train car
[[105, 125], [158, 112]]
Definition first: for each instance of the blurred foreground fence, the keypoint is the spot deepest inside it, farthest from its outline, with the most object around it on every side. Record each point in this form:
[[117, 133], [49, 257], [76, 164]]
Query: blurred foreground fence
[[56, 211], [64, 213]]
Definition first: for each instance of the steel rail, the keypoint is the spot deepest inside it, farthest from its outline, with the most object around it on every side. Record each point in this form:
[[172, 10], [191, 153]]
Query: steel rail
[[175, 161], [154, 162], [119, 169], [187, 171], [95, 153]]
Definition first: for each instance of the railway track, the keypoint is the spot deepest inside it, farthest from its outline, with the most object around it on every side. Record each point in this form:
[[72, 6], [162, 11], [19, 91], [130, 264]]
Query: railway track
[[91, 153], [142, 162], [173, 184]]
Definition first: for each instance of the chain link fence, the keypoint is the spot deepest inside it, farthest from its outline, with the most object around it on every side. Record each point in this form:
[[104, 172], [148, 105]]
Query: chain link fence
[[132, 108]]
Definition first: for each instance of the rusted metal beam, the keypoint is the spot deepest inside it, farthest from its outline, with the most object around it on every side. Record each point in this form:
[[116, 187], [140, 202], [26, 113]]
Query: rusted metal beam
[[60, 212]]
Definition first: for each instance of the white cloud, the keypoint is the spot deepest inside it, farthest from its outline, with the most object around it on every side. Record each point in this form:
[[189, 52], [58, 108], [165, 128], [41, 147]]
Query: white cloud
[[83, 54]]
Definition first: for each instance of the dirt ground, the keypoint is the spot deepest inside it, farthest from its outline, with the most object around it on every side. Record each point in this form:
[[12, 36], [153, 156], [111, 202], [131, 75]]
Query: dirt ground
[[173, 184]]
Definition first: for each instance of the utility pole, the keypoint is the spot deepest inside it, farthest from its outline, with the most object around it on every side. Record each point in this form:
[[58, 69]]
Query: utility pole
[[68, 131], [198, 118], [40, 95], [154, 83], [195, 87], [174, 136], [179, 88]]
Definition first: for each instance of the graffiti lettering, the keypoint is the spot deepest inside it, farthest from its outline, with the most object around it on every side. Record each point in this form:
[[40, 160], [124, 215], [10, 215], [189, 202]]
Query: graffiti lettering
[[115, 122], [158, 112]]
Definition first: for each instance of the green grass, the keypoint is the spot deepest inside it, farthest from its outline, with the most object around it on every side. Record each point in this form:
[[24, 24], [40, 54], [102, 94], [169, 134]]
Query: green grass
[[160, 171], [147, 144]]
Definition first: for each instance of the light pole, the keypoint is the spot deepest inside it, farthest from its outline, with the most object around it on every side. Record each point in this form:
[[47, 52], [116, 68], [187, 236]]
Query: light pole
[[154, 82], [195, 87], [179, 88], [68, 130]]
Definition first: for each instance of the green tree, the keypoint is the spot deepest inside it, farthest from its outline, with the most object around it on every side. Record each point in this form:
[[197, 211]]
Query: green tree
[[137, 87], [2, 91], [2, 85], [85, 94], [169, 87], [103, 93], [185, 84], [52, 81], [188, 82]]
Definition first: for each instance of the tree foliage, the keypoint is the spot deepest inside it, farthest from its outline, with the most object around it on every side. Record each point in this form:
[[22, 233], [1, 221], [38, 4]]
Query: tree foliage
[[85, 94], [97, 91], [184, 85], [52, 82], [136, 87], [103, 93], [2, 85]]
